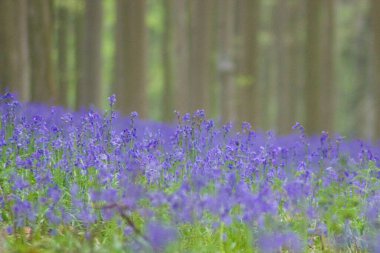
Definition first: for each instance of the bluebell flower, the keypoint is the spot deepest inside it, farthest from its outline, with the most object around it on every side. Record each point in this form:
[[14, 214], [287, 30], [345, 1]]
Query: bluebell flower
[[112, 100], [160, 235]]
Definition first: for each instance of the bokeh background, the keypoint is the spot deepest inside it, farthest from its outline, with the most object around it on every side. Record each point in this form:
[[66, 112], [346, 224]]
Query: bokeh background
[[269, 62]]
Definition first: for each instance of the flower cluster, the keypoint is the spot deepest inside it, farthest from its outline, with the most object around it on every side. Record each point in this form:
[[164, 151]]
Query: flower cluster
[[82, 170]]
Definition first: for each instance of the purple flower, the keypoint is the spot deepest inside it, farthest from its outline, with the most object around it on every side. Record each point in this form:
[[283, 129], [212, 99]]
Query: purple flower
[[134, 115], [67, 117], [20, 184], [299, 127], [186, 117], [374, 245], [296, 189], [87, 216], [23, 211], [277, 241], [112, 100], [227, 128], [54, 193], [324, 137], [246, 126], [52, 217], [10, 230], [200, 114], [160, 235]]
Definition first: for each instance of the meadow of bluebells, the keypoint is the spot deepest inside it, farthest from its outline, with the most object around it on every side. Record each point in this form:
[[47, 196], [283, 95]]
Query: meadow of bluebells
[[92, 181]]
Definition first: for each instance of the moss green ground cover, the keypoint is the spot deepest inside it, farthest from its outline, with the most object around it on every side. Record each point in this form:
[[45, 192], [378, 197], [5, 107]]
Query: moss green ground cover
[[98, 182]]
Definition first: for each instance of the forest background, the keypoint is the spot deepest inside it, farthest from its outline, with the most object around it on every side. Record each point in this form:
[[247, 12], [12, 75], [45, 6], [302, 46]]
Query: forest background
[[269, 62]]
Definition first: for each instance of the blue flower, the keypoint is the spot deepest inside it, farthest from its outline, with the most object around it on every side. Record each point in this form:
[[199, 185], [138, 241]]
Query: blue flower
[[112, 100], [160, 235]]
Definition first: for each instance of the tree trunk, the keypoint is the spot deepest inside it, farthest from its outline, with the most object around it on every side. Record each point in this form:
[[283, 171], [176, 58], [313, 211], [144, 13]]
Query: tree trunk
[[295, 58], [3, 49], [181, 41], [167, 61], [89, 90], [376, 61], [14, 51], [313, 68], [201, 16], [62, 46], [248, 104], [5, 19], [360, 102], [284, 105], [226, 64], [328, 63], [40, 18], [78, 23], [130, 65]]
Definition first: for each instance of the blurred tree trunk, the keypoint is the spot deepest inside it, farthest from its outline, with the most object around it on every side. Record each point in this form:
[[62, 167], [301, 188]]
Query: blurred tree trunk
[[226, 64], [3, 50], [181, 41], [201, 25], [295, 57], [130, 65], [360, 101], [313, 67], [376, 61], [89, 89], [62, 46], [328, 94], [265, 65], [14, 51], [214, 87], [285, 112], [6, 27], [78, 23], [167, 60], [40, 18], [248, 97]]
